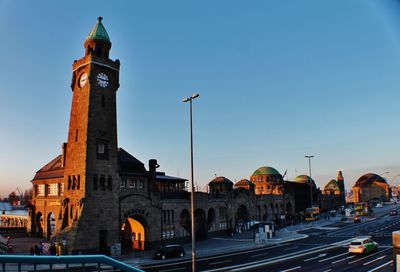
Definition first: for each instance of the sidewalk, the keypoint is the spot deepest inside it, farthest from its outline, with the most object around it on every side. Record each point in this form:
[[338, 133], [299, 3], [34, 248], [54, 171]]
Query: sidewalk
[[238, 242]]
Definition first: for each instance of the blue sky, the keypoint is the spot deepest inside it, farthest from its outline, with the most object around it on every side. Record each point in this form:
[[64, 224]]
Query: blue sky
[[277, 80]]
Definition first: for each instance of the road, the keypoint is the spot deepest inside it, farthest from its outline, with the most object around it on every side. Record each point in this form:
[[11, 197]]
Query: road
[[324, 250]]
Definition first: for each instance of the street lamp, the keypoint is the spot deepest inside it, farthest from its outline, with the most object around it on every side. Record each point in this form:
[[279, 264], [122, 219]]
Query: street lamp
[[190, 99], [311, 184]]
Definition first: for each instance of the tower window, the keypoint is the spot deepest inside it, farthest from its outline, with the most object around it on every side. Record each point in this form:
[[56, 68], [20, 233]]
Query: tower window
[[101, 149], [102, 182], [95, 182], [109, 183], [76, 135], [103, 101]]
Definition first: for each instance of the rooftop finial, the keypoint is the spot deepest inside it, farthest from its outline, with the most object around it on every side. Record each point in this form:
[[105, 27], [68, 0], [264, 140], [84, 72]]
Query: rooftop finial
[[100, 18]]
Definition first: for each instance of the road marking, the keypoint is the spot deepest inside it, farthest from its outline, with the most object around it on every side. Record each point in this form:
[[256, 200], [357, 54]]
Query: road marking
[[379, 267], [227, 261], [175, 269], [259, 255], [377, 259], [290, 248], [327, 270], [316, 257], [363, 258], [291, 269], [341, 260], [333, 257]]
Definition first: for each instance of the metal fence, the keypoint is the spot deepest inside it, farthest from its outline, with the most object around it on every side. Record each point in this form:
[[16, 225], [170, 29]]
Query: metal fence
[[63, 263]]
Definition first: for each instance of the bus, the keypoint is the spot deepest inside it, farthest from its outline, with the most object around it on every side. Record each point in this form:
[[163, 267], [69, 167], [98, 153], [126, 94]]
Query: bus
[[361, 208], [312, 214]]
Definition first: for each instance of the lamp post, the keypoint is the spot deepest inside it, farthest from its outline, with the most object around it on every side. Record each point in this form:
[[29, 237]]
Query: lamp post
[[190, 99], [311, 185]]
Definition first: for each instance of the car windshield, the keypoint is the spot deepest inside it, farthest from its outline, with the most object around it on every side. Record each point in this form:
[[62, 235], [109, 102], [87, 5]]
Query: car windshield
[[355, 243]]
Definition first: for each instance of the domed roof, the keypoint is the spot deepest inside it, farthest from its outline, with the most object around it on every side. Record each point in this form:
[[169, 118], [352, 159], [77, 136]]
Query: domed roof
[[244, 182], [332, 185], [265, 170], [369, 178], [98, 32], [304, 179], [220, 180]]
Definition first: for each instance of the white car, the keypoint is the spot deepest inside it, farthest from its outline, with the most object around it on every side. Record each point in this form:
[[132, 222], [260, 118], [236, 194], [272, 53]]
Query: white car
[[363, 245]]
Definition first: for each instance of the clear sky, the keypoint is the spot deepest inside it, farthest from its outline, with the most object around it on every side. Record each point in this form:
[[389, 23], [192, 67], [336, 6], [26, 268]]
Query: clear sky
[[277, 80]]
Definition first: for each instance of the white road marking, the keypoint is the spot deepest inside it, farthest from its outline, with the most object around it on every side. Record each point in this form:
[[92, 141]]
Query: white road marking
[[341, 260], [175, 269], [327, 270], [363, 258], [291, 269], [289, 248], [227, 261], [316, 257], [377, 259], [259, 255], [333, 257], [379, 267]]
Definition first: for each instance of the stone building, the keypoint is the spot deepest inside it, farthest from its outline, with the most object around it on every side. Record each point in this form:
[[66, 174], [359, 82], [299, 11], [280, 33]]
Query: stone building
[[95, 195], [371, 187]]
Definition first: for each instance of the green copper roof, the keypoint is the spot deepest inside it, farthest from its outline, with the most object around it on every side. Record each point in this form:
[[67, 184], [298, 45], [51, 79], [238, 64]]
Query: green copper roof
[[265, 170], [304, 179], [333, 185], [98, 32]]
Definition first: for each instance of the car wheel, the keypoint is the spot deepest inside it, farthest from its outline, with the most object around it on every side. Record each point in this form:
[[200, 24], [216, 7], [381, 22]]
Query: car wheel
[[181, 255], [163, 257]]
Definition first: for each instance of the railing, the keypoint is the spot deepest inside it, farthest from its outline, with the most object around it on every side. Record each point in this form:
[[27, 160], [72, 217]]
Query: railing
[[64, 263]]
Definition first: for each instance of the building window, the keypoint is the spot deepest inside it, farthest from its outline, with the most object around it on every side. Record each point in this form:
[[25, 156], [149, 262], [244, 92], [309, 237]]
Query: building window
[[95, 182], [103, 101], [109, 183], [140, 184], [102, 182], [101, 149], [53, 189], [76, 135], [122, 184], [132, 183], [61, 188], [41, 189]]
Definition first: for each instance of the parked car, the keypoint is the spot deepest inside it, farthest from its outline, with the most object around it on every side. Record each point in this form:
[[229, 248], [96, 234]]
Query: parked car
[[357, 219], [393, 212], [363, 245], [170, 251]]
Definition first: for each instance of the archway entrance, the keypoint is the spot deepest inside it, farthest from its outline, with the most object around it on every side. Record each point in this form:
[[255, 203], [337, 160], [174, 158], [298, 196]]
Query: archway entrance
[[210, 219], [201, 224], [39, 224], [133, 234], [51, 225], [242, 218]]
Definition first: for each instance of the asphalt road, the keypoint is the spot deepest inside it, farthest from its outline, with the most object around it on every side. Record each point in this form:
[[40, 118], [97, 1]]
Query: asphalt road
[[324, 250]]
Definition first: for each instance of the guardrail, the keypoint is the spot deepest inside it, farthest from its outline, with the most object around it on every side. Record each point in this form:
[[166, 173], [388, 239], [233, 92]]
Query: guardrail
[[64, 263]]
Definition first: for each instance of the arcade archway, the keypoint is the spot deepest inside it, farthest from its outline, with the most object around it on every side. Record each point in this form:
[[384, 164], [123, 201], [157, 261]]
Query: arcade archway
[[210, 219], [242, 217], [39, 224], [133, 234], [51, 225], [200, 223]]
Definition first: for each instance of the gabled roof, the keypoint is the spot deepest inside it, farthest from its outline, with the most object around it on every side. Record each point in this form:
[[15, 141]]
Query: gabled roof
[[128, 164], [51, 170]]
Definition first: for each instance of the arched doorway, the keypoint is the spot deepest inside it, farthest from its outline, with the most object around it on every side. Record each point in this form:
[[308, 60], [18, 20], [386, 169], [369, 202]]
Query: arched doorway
[[210, 219], [242, 217], [39, 224], [51, 225], [134, 234], [184, 219], [200, 223]]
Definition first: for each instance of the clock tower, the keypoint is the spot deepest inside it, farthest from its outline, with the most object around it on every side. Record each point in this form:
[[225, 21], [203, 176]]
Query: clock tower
[[88, 220]]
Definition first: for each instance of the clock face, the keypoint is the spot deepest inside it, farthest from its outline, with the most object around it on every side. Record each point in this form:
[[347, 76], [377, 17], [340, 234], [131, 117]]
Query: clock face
[[102, 80], [82, 80]]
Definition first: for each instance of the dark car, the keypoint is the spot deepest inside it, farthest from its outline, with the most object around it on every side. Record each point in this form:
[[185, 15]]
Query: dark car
[[170, 251], [393, 212], [357, 219]]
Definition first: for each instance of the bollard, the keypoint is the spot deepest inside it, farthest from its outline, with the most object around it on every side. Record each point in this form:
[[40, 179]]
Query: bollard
[[396, 250]]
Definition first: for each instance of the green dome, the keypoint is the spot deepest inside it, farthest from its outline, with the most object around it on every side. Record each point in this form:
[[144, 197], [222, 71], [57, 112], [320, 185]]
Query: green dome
[[332, 185], [304, 179], [98, 32], [265, 170]]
